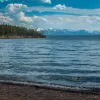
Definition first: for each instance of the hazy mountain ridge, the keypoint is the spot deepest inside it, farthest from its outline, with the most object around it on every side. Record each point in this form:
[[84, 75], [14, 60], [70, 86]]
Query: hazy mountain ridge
[[68, 32]]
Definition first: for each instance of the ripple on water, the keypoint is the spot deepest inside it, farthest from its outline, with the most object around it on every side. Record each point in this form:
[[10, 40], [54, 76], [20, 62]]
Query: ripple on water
[[65, 62]]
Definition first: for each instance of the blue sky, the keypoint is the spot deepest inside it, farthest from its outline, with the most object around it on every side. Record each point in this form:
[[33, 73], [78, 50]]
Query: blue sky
[[63, 14]]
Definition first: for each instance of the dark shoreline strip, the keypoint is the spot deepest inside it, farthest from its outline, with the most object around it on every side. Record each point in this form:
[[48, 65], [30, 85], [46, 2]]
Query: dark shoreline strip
[[71, 89]]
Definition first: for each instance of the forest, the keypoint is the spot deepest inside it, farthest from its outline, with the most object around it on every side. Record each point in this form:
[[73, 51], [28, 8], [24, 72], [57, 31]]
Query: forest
[[10, 31]]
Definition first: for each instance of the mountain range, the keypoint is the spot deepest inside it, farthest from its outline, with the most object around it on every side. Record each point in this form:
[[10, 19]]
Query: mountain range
[[67, 32]]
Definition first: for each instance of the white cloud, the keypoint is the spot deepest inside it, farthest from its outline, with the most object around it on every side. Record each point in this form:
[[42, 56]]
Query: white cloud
[[40, 18], [46, 1], [60, 18], [24, 18], [15, 7], [35, 17], [60, 7], [5, 19], [43, 19]]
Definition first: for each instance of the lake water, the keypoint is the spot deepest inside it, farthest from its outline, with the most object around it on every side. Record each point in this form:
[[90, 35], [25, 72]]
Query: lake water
[[71, 62]]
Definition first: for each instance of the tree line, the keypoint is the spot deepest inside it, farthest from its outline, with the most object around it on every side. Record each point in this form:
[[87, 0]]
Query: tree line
[[10, 31]]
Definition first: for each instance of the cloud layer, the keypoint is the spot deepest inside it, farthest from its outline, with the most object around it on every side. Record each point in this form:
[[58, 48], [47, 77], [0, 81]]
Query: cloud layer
[[58, 16]]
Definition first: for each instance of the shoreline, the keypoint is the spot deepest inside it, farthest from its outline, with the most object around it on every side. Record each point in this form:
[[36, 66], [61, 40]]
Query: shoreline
[[15, 91], [18, 37], [73, 89]]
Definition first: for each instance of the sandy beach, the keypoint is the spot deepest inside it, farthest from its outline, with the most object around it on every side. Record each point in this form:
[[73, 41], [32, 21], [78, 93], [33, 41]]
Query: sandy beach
[[25, 92]]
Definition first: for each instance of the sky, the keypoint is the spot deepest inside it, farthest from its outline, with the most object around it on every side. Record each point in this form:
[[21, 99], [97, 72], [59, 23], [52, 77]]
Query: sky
[[59, 14]]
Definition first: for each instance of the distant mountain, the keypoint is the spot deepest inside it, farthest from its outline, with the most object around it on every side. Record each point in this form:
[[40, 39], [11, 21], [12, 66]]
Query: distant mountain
[[68, 32]]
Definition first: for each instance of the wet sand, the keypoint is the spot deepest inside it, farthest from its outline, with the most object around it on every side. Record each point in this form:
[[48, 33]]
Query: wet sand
[[25, 92]]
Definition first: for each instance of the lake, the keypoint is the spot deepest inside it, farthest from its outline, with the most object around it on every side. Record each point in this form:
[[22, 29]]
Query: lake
[[61, 61]]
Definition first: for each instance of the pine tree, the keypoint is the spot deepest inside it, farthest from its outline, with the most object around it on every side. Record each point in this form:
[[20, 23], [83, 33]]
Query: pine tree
[[9, 30]]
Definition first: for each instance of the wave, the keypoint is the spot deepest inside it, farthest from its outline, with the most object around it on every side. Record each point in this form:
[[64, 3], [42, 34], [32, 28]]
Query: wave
[[53, 86]]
